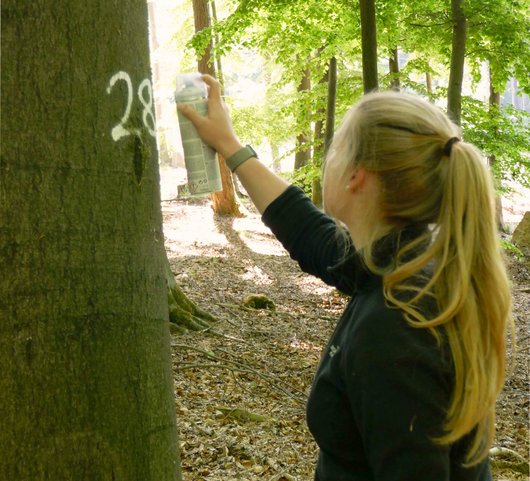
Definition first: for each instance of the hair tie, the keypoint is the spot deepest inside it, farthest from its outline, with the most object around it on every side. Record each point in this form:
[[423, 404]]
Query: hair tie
[[449, 144]]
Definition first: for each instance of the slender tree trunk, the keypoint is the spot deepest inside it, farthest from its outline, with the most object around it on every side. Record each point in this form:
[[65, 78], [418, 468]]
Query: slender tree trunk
[[303, 151], [332, 102], [393, 65], [318, 146], [494, 106], [328, 131], [428, 82], [458, 52], [275, 151], [86, 384], [369, 45], [218, 63], [226, 201]]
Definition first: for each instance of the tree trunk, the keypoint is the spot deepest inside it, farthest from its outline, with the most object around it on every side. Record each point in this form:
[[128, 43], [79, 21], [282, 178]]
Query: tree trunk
[[224, 202], [275, 152], [369, 45], [330, 123], [218, 63], [303, 151], [86, 385], [332, 101], [494, 106], [428, 82], [393, 66], [458, 52], [201, 17]]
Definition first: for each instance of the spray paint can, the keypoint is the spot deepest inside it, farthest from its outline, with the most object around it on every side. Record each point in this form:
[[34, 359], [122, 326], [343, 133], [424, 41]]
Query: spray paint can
[[202, 166]]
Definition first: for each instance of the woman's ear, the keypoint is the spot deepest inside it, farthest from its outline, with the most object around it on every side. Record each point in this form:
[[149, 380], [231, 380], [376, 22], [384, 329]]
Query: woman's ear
[[357, 179]]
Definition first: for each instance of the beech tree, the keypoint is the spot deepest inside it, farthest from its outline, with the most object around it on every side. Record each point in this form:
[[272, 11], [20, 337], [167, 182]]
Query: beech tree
[[369, 45], [224, 202], [86, 384], [458, 52]]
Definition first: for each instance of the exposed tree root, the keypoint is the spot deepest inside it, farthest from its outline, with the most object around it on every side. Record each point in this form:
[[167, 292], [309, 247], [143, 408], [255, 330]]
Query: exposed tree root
[[184, 314]]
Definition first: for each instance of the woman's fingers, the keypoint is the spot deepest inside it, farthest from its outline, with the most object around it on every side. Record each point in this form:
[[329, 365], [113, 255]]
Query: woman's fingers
[[189, 112], [214, 87]]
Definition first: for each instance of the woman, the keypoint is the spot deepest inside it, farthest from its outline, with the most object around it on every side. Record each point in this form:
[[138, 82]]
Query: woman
[[407, 385]]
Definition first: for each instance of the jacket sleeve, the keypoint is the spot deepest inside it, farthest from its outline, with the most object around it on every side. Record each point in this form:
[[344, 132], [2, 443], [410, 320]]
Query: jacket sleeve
[[398, 386], [311, 237]]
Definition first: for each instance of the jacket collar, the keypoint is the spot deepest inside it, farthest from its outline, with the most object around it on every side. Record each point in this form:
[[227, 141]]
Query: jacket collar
[[353, 273]]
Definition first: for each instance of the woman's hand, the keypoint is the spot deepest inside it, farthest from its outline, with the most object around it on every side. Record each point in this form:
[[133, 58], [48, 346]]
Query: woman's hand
[[216, 129]]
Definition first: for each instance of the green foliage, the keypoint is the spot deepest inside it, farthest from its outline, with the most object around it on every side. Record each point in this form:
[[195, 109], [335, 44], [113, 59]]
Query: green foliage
[[510, 247], [500, 133], [293, 35], [498, 34], [305, 176]]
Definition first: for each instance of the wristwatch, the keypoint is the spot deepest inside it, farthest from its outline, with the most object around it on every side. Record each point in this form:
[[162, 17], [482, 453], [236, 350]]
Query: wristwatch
[[242, 155]]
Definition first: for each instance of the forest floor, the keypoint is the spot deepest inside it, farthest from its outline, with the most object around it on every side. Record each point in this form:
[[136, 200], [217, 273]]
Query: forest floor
[[241, 387]]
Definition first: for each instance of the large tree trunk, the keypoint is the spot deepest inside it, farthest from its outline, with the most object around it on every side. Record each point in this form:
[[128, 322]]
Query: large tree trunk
[[458, 52], [86, 385], [224, 202], [369, 45]]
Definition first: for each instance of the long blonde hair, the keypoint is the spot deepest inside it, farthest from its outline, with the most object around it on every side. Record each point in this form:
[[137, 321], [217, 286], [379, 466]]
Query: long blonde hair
[[401, 138]]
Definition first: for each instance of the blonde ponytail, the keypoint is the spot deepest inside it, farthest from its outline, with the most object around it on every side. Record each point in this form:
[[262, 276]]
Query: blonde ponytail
[[402, 139]]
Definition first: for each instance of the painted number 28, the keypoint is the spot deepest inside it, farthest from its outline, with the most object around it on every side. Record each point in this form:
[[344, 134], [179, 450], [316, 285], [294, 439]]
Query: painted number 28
[[145, 95]]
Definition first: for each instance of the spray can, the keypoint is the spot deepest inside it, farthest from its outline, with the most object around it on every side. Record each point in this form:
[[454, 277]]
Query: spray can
[[202, 166]]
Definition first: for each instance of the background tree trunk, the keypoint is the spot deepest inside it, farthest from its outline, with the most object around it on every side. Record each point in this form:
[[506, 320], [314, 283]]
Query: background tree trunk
[[369, 45], [224, 202], [303, 151], [86, 385], [494, 106], [393, 66], [458, 52], [332, 102], [218, 63], [428, 82], [201, 17], [325, 133]]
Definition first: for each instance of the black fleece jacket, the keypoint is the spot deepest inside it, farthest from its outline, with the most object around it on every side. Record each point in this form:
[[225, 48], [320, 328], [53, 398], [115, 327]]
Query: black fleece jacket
[[382, 387]]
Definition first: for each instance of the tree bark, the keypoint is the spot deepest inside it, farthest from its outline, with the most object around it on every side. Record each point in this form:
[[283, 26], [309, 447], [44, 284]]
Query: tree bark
[[86, 385], [201, 17], [303, 151], [458, 52], [226, 201], [369, 45], [393, 66]]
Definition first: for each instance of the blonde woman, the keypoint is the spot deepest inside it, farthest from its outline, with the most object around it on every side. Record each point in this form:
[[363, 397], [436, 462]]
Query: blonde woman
[[407, 385]]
